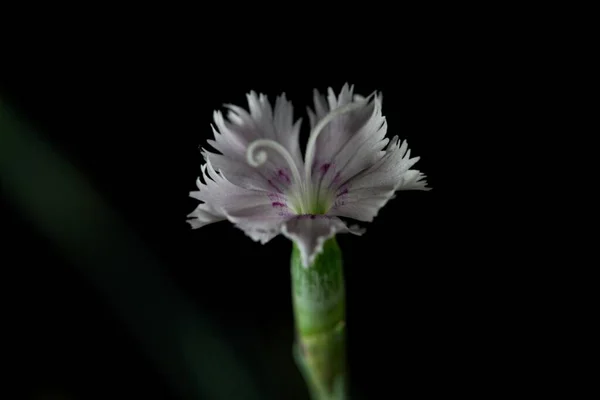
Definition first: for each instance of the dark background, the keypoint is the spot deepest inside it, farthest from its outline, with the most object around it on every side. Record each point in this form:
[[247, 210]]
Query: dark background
[[130, 112]]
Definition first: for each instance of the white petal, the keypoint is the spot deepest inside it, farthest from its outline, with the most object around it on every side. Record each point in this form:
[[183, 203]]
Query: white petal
[[309, 232], [222, 199], [363, 149], [339, 131], [413, 180], [387, 171], [362, 204], [261, 223], [351, 144], [245, 176], [365, 146], [232, 186], [203, 215], [287, 132], [234, 134], [363, 196]]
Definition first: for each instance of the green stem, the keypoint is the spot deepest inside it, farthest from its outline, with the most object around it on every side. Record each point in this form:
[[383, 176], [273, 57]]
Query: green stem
[[319, 312]]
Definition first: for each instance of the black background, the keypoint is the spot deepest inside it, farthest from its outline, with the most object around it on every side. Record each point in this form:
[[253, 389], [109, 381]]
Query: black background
[[129, 111]]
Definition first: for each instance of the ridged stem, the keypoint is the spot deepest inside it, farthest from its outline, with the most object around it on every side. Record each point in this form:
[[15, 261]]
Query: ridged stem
[[319, 311]]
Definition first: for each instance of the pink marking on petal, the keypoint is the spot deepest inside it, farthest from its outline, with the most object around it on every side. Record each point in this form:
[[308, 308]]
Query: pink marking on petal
[[282, 174], [336, 179], [278, 204], [341, 197], [324, 168]]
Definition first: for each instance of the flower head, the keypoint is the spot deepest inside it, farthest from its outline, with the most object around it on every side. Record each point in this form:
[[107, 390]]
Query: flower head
[[261, 183]]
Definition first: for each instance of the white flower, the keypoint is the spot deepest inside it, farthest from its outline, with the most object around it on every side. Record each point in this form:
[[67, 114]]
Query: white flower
[[260, 182]]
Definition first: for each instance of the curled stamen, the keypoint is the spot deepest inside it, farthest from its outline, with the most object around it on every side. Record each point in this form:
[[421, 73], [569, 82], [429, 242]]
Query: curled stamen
[[256, 159], [312, 140]]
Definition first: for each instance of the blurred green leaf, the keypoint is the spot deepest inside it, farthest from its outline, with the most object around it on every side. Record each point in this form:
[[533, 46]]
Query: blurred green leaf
[[61, 204]]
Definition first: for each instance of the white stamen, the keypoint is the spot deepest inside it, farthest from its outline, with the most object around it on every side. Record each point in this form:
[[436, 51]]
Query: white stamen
[[256, 159], [312, 140]]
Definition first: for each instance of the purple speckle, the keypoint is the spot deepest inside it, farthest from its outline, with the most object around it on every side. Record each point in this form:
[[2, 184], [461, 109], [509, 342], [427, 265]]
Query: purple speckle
[[278, 204], [341, 197], [277, 197], [324, 168], [283, 175], [312, 217], [336, 179]]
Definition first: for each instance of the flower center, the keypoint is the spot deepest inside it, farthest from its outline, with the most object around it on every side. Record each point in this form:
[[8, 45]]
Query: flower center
[[305, 196]]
